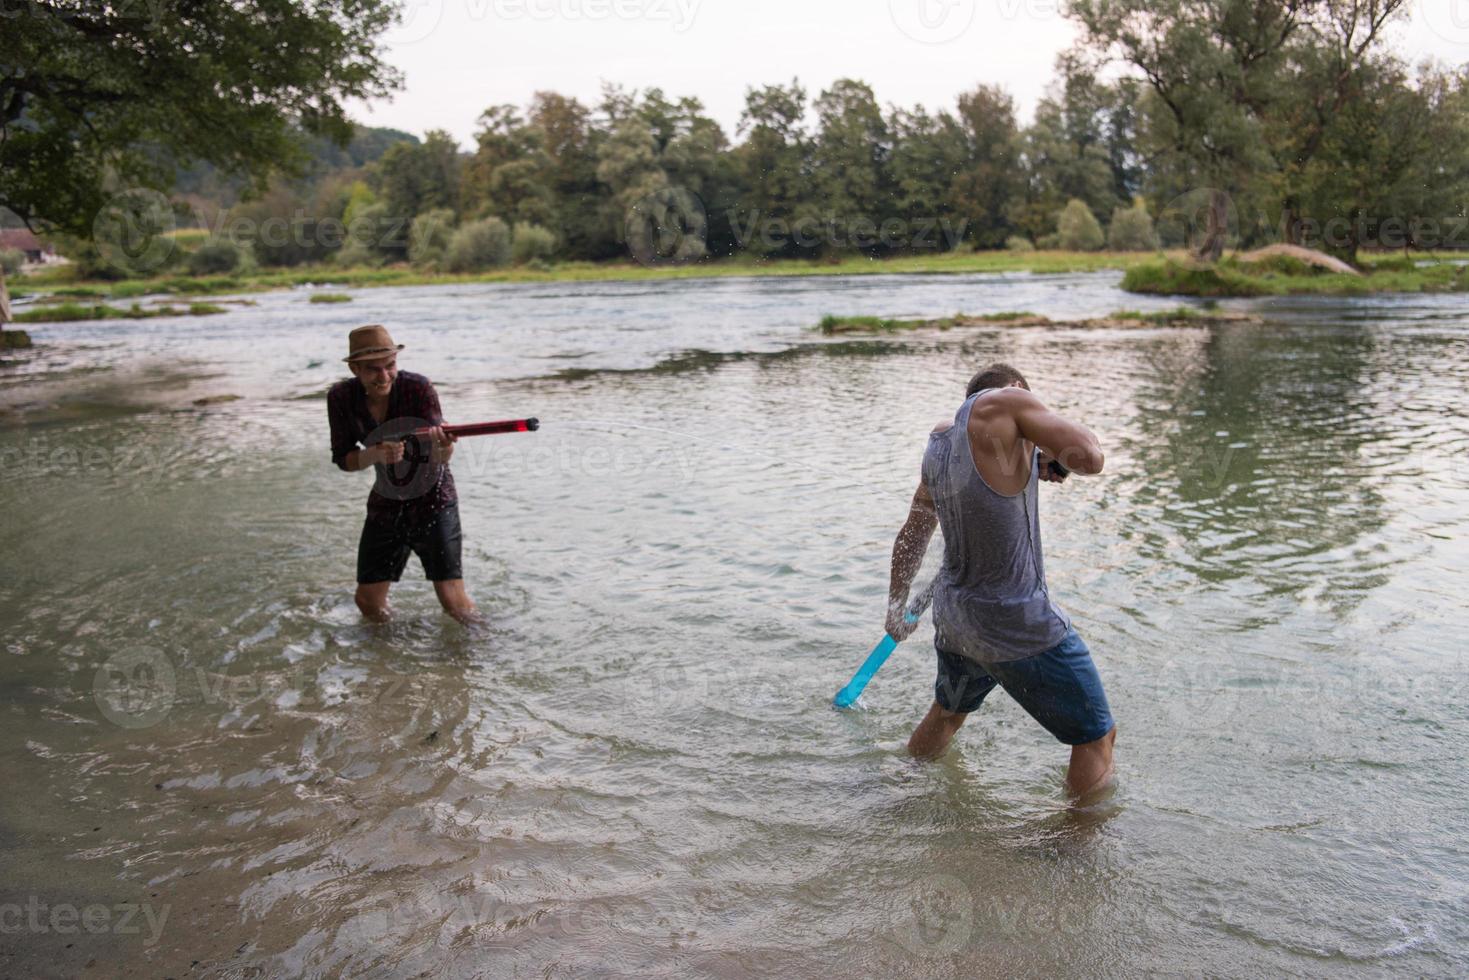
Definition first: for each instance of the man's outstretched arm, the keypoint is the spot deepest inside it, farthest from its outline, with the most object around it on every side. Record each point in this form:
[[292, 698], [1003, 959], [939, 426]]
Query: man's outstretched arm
[[908, 551]]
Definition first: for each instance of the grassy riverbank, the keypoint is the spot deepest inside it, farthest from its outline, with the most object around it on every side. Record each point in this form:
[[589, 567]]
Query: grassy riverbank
[[1281, 276], [1144, 272], [1183, 316], [64, 281], [71, 312]]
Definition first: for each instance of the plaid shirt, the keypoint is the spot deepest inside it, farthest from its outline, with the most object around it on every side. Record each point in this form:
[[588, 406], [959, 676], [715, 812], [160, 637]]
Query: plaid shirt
[[407, 489]]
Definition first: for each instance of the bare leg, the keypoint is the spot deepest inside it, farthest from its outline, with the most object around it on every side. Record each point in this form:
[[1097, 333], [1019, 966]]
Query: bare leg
[[456, 601], [934, 732], [1091, 768], [372, 600]]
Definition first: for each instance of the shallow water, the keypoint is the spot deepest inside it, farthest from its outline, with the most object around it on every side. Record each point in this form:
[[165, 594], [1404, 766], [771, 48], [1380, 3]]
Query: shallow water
[[635, 768]]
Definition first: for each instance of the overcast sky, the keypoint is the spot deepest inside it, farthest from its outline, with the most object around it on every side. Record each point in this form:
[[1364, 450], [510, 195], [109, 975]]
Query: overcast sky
[[459, 56]]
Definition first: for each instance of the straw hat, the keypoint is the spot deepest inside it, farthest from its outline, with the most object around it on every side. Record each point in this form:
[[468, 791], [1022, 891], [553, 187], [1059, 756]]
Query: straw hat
[[370, 343]]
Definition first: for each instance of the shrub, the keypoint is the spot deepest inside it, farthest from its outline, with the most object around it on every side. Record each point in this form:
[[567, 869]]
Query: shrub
[[1048, 242], [11, 259], [1132, 230], [531, 243], [1188, 279], [1077, 229], [215, 256], [357, 253], [374, 236], [482, 244], [428, 236], [1019, 243]]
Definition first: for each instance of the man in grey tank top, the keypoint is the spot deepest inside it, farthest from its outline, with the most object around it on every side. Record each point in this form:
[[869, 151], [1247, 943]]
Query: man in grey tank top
[[996, 622]]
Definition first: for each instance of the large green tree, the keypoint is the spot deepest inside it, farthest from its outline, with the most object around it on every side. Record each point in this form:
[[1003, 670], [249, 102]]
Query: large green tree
[[927, 151], [850, 182], [773, 164], [992, 178], [666, 167], [1242, 94], [95, 97], [417, 177], [1068, 156], [569, 139]]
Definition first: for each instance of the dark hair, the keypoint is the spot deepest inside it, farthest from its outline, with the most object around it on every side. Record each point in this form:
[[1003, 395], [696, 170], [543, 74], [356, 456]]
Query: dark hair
[[997, 375]]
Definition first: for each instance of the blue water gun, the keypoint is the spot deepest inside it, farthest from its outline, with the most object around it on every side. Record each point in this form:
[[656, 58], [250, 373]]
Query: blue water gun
[[848, 695]]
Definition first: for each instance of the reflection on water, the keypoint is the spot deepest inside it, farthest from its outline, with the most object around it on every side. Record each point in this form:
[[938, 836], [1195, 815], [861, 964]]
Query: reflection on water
[[635, 768]]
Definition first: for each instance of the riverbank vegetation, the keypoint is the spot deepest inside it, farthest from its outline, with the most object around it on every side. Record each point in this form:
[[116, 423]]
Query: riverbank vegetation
[[1183, 316], [72, 312], [1279, 276], [67, 282], [1301, 124]]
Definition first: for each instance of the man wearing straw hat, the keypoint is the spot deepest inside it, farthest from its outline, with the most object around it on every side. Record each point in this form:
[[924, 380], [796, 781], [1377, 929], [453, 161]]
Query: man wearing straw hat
[[413, 506]]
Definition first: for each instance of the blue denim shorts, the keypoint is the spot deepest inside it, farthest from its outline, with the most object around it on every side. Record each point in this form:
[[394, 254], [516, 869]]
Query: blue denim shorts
[[1059, 688]]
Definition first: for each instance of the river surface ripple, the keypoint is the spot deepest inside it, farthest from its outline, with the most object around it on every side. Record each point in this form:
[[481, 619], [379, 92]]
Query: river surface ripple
[[635, 768]]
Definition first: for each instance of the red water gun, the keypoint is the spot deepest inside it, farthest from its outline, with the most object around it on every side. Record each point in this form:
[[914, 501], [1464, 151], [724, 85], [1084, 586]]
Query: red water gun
[[486, 428], [417, 440]]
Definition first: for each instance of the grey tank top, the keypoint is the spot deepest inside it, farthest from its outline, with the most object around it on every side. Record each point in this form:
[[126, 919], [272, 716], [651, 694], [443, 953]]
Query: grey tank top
[[990, 601]]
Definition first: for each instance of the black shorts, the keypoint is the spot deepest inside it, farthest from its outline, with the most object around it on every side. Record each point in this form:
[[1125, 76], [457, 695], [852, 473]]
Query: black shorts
[[435, 537]]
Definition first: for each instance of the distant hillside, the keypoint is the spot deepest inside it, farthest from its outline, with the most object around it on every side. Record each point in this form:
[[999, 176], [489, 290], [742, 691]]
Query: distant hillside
[[204, 182]]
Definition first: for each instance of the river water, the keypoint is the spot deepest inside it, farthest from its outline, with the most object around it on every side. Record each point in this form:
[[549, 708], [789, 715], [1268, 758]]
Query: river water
[[214, 768]]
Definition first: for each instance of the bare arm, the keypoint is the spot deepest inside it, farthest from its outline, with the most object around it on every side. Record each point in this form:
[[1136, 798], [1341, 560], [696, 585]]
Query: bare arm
[[908, 551], [1070, 443]]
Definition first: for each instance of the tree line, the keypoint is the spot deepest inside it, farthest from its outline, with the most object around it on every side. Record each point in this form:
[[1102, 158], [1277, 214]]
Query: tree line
[[1205, 122]]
